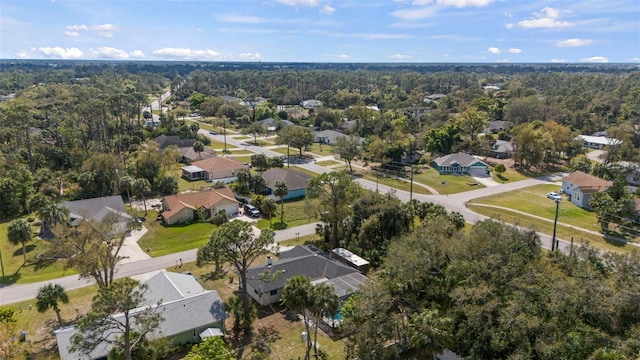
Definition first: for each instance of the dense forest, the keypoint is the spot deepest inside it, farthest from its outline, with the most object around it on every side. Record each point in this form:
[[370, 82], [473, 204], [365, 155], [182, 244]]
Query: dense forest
[[73, 130]]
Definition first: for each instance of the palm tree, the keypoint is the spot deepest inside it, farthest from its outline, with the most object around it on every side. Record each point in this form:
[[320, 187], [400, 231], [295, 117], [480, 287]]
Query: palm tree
[[281, 191], [19, 232], [51, 214], [126, 184], [48, 298], [141, 187], [325, 303], [296, 295], [430, 332], [198, 147], [269, 207]]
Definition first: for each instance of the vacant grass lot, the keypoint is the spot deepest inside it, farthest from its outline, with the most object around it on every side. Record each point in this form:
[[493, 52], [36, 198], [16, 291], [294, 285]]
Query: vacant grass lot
[[537, 204], [163, 240], [328, 162], [392, 182], [453, 183], [510, 175], [16, 271], [296, 213]]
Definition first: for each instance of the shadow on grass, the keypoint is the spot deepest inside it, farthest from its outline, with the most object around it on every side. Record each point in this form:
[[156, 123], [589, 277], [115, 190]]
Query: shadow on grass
[[11, 279], [27, 249], [279, 226]]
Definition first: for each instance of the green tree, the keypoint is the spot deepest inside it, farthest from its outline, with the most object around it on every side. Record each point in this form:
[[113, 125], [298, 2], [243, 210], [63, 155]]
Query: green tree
[[260, 162], [473, 121], [211, 348], [528, 145], [296, 136], [430, 332], [135, 321], [126, 185], [500, 169], [238, 245], [141, 187], [348, 148], [442, 140], [269, 207], [336, 192], [48, 298], [19, 233], [51, 214], [325, 304], [198, 147], [297, 296], [281, 191]]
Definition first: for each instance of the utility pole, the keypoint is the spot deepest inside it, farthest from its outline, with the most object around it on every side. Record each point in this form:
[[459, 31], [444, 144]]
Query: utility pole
[[554, 244], [411, 186], [224, 132], [2, 265]]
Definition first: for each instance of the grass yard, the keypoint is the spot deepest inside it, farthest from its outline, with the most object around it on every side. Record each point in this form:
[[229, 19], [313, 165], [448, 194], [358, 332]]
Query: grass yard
[[283, 150], [237, 151], [452, 183], [297, 168], [16, 271], [321, 150], [163, 240], [510, 175], [243, 137], [392, 182], [296, 213], [329, 163], [537, 204], [219, 145]]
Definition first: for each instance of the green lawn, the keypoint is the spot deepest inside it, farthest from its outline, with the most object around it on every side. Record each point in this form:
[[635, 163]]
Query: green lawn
[[328, 163], [219, 145], [283, 150], [510, 175], [164, 240], [16, 271], [393, 182], [537, 204], [238, 151], [296, 213], [452, 183], [321, 150]]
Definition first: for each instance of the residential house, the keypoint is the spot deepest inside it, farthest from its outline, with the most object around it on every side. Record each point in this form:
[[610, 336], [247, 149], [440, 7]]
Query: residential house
[[496, 126], [302, 260], [581, 186], [597, 142], [311, 104], [501, 149], [329, 137], [97, 209], [183, 208], [461, 164], [214, 169], [188, 310], [296, 182], [273, 125], [433, 97], [185, 146]]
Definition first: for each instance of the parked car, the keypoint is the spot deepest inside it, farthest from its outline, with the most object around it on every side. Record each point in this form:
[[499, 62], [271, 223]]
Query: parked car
[[251, 210], [554, 196], [213, 132]]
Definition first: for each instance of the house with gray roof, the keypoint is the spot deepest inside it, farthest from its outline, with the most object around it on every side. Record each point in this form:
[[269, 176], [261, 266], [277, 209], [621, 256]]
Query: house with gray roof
[[272, 125], [97, 209], [188, 310], [501, 149], [296, 182], [330, 137], [302, 260], [185, 146], [311, 104], [461, 164]]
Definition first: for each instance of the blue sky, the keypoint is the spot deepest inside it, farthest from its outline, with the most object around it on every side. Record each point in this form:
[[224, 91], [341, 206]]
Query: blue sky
[[488, 31]]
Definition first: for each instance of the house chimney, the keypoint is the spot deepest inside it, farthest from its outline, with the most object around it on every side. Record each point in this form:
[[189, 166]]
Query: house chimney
[[269, 262]]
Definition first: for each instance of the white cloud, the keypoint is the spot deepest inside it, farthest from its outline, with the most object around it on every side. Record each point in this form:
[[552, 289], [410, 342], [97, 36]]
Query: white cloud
[[71, 33], [199, 30], [106, 35], [494, 50], [109, 53], [509, 26], [383, 36], [250, 56], [399, 56], [595, 59], [634, 59], [574, 43], [515, 50], [411, 25], [422, 2], [464, 3], [59, 52], [187, 54], [104, 27], [328, 10], [77, 27], [137, 54], [20, 54], [546, 18], [558, 60], [296, 3], [344, 56], [240, 19], [414, 14]]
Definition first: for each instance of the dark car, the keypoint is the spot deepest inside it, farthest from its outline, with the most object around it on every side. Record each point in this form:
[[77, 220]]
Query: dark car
[[213, 132], [251, 210]]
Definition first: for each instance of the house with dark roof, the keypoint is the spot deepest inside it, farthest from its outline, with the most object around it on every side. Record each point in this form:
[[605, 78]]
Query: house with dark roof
[[461, 164], [302, 260], [214, 169], [188, 310], [272, 125], [496, 126], [330, 137], [97, 209], [296, 182], [182, 208], [501, 149], [580, 187], [311, 104], [185, 146]]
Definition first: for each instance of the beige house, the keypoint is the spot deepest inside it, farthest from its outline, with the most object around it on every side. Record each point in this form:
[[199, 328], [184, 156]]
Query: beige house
[[214, 169], [183, 208], [580, 187]]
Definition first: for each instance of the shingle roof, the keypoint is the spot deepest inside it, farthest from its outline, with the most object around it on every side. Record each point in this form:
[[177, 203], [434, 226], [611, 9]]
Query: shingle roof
[[588, 184], [183, 313], [293, 179], [192, 155], [461, 159], [165, 141], [96, 209], [310, 263], [208, 199], [219, 163], [274, 122]]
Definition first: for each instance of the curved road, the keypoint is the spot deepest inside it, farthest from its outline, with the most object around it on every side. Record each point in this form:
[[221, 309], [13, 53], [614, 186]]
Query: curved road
[[454, 202]]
